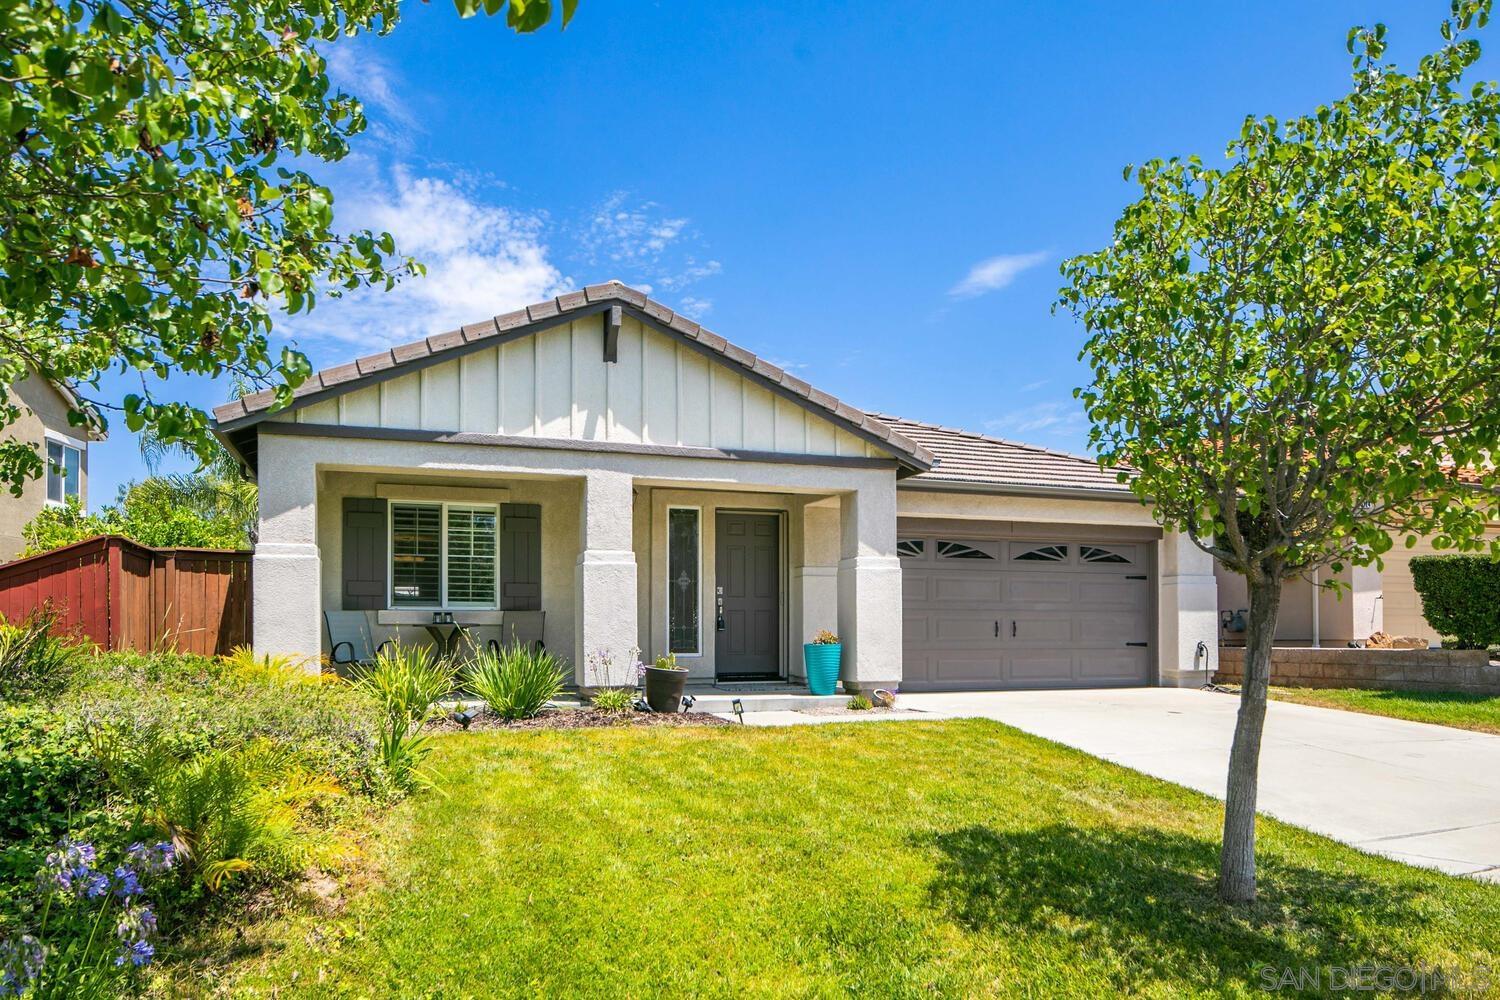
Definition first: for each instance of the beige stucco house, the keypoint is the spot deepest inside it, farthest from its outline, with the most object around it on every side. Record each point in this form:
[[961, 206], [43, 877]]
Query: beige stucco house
[[644, 483], [65, 448], [1370, 599]]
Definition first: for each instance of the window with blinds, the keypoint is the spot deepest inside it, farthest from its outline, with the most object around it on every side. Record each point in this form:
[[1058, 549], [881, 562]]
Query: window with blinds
[[416, 555], [444, 555], [471, 533]]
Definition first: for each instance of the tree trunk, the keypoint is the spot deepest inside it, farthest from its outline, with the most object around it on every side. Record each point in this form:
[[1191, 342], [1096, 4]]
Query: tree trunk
[[1237, 855]]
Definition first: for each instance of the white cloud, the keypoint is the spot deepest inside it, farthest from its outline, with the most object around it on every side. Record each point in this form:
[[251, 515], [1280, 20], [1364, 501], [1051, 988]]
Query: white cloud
[[640, 243], [482, 259], [1052, 421], [694, 306], [995, 273], [355, 69], [635, 236], [691, 272]]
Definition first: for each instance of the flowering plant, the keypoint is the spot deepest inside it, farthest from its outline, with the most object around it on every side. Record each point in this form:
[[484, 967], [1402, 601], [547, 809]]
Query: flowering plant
[[825, 638], [71, 878], [602, 665]]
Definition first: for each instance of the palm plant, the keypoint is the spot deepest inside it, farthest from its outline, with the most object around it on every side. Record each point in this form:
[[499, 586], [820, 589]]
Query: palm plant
[[217, 489], [517, 681], [225, 810]]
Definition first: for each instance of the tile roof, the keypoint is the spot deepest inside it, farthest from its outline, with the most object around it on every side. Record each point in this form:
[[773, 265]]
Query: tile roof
[[977, 459], [256, 406]]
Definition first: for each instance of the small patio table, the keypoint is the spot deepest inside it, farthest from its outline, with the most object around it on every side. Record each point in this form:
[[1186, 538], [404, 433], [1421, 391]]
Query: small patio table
[[447, 642]]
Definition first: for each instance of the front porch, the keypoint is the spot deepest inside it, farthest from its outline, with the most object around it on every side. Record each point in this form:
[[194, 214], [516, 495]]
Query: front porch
[[729, 565]]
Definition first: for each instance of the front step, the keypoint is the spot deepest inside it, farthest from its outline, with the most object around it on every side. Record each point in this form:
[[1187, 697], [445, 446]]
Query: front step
[[778, 701]]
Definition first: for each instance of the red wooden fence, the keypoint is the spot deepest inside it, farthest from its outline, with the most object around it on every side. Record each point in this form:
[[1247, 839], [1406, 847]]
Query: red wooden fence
[[123, 595]]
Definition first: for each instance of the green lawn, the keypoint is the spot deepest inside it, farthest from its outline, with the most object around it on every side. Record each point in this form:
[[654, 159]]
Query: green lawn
[[924, 859], [1465, 711]]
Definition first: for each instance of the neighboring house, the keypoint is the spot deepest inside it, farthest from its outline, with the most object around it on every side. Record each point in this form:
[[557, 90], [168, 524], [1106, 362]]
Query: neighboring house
[[647, 484], [1376, 600], [65, 449]]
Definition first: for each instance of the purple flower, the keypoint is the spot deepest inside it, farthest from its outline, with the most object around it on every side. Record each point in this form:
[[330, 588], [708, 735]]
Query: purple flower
[[127, 882], [137, 954], [152, 860], [96, 885], [135, 930], [21, 962], [70, 867]]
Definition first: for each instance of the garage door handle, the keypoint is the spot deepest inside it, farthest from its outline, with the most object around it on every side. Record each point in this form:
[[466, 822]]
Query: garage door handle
[[1012, 628], [1135, 644], [997, 630], [1135, 577]]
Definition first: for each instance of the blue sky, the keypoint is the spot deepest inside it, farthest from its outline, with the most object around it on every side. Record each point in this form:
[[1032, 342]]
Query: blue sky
[[874, 195]]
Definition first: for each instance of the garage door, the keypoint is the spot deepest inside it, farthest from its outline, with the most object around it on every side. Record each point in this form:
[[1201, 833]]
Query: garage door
[[1043, 612]]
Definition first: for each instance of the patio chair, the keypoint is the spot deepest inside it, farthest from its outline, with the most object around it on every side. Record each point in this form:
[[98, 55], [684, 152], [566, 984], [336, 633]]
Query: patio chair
[[520, 628], [351, 642]]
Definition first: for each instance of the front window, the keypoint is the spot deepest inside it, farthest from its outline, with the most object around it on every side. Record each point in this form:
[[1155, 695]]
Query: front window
[[682, 580], [443, 555], [63, 464]]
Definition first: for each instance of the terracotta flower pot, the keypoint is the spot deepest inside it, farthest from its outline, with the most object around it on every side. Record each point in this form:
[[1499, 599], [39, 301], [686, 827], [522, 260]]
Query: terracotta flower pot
[[664, 688]]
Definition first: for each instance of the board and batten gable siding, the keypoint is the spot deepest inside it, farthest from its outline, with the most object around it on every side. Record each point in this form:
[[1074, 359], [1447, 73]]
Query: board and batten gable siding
[[556, 384]]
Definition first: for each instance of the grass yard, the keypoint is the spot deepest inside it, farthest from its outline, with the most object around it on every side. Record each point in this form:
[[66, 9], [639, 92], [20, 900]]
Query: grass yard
[[956, 858], [1464, 711]]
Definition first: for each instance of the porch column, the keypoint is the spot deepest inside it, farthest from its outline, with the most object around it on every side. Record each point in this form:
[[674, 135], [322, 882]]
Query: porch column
[[287, 605], [604, 583], [1188, 613], [869, 587], [815, 586]]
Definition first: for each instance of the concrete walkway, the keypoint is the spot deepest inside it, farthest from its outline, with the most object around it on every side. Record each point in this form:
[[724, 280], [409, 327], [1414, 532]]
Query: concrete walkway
[[1427, 795]]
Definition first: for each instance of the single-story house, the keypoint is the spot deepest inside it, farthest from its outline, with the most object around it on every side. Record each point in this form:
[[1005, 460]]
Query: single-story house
[[646, 484], [1374, 599]]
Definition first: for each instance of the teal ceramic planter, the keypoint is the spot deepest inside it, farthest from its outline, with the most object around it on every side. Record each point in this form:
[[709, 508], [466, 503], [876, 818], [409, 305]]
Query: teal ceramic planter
[[822, 660]]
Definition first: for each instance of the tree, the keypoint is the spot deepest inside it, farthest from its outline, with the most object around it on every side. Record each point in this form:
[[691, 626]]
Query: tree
[[142, 515], [153, 209], [216, 491], [1298, 351]]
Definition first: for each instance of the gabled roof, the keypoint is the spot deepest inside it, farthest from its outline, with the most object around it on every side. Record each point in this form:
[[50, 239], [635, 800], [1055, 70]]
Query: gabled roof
[[968, 459], [594, 299]]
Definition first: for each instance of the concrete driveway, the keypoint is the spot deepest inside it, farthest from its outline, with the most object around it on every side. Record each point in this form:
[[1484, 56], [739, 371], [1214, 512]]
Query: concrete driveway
[[1426, 795]]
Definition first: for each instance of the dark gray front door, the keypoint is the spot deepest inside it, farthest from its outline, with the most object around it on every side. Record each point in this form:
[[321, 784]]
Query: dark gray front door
[[748, 591]]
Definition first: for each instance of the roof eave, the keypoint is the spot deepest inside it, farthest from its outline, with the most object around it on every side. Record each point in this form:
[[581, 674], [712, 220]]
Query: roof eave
[[1019, 489]]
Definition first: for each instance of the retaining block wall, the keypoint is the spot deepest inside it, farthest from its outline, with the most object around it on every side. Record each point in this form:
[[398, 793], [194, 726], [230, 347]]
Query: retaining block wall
[[1467, 670]]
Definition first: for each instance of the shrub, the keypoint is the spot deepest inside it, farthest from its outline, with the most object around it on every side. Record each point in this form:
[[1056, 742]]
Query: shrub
[[33, 661], [203, 702], [272, 670], [859, 703], [149, 516], [517, 682], [1460, 597], [227, 810], [50, 784], [407, 681], [614, 699]]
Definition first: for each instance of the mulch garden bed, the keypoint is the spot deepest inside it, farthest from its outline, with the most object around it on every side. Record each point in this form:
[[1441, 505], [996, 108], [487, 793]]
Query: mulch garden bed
[[579, 718]]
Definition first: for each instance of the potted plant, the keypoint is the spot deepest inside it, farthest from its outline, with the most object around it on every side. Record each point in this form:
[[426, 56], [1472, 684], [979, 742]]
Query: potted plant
[[664, 683], [822, 657]]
